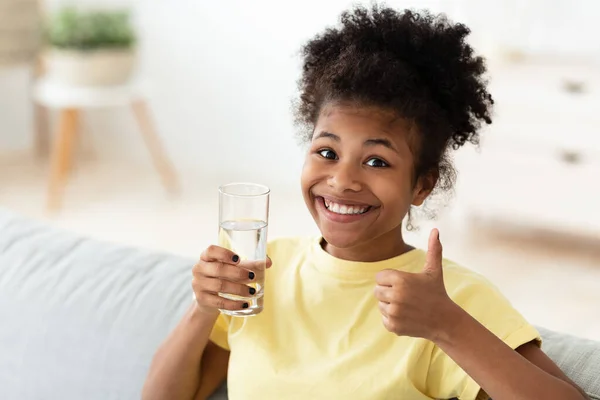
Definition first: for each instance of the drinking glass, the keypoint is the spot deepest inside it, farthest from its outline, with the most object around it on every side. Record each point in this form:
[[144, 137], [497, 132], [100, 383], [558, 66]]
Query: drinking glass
[[243, 221]]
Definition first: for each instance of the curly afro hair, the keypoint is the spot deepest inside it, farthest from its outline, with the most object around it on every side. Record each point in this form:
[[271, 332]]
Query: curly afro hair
[[415, 64]]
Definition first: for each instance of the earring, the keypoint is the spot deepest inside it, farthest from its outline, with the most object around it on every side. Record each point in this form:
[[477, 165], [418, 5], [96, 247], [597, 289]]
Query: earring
[[409, 221]]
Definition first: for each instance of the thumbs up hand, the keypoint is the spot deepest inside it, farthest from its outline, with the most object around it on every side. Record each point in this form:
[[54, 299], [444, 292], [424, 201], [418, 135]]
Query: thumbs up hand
[[416, 304]]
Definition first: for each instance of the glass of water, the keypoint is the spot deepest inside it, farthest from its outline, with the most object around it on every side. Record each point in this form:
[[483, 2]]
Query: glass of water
[[243, 220]]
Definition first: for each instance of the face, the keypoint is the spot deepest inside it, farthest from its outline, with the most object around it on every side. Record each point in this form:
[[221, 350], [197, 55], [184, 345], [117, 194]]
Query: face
[[357, 179]]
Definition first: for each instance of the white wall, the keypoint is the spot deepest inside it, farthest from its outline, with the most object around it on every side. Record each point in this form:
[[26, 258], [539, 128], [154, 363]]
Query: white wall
[[221, 76]]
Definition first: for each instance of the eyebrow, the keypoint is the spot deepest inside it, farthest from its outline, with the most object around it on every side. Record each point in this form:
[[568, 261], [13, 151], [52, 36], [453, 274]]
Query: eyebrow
[[368, 142]]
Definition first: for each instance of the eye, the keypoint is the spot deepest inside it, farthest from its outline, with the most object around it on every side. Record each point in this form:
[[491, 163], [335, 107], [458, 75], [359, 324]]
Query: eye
[[377, 163], [328, 154]]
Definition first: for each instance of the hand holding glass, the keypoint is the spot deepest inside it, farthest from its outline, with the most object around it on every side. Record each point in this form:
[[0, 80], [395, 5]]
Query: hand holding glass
[[243, 221]]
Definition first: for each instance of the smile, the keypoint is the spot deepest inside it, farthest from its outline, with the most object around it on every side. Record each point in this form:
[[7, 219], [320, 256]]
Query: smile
[[342, 212], [345, 209]]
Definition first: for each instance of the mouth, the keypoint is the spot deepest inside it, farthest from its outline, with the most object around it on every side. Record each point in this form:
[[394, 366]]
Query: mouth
[[345, 209], [341, 211]]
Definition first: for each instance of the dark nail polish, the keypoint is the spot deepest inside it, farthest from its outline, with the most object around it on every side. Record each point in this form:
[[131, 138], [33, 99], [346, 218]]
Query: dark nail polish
[[245, 305], [252, 290], [236, 258], [251, 275]]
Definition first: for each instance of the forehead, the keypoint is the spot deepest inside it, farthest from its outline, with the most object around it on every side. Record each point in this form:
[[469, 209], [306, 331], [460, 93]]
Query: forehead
[[366, 120]]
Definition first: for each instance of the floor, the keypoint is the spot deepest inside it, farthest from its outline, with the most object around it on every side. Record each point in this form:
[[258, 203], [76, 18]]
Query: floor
[[553, 280]]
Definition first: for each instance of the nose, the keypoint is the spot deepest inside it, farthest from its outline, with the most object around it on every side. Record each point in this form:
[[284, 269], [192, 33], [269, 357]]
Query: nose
[[344, 177]]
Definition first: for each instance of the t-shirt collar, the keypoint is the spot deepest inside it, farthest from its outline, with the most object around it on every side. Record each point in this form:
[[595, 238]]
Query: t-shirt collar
[[411, 261]]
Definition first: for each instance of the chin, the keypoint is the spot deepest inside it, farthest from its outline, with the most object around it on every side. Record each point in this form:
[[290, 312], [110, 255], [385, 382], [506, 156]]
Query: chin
[[342, 240]]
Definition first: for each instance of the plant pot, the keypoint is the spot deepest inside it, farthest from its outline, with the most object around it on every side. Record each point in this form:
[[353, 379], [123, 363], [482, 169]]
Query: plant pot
[[105, 67]]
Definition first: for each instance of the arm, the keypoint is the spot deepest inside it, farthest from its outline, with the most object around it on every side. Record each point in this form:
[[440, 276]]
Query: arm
[[511, 375], [417, 305], [175, 369], [536, 356], [213, 370]]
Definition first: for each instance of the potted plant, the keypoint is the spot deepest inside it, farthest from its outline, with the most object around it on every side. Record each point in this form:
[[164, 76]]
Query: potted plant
[[89, 48]]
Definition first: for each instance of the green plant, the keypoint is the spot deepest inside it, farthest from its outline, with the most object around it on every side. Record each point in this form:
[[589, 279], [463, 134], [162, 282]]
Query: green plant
[[90, 30]]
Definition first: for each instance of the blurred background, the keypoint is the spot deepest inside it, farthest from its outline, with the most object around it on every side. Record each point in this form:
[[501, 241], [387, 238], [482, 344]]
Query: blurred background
[[122, 119]]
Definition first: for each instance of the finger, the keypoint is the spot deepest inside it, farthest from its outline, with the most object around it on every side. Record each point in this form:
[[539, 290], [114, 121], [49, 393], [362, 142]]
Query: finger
[[213, 285], [385, 293], [221, 270], [269, 262], [383, 308], [254, 265], [388, 324], [212, 300], [433, 261], [221, 254], [387, 277], [258, 267], [390, 310]]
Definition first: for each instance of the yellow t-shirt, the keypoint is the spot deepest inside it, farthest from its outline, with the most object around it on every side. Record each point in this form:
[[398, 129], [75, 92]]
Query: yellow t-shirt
[[320, 335]]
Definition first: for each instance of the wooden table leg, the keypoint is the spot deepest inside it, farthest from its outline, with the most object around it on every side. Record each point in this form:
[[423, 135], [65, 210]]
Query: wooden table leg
[[61, 157], [40, 114], [155, 147], [41, 131]]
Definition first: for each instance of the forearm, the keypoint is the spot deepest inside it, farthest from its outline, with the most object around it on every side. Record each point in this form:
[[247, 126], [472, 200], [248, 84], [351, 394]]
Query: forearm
[[499, 370], [175, 369]]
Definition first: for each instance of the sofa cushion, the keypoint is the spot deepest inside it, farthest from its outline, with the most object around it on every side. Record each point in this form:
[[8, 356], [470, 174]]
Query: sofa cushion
[[81, 319], [578, 358]]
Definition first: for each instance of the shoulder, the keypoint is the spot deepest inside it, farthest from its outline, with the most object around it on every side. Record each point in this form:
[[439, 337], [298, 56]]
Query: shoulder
[[462, 282], [485, 302], [474, 292]]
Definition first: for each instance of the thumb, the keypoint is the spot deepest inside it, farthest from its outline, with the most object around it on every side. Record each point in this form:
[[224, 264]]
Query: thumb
[[433, 261]]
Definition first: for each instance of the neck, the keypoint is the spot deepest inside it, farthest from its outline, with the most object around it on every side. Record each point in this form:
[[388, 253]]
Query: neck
[[381, 248]]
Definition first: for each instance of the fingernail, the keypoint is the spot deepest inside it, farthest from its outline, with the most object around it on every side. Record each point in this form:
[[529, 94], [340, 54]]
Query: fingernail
[[252, 290], [251, 275], [235, 258], [245, 305]]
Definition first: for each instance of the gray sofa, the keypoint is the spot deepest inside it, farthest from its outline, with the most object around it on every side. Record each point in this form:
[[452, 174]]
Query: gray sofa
[[81, 319]]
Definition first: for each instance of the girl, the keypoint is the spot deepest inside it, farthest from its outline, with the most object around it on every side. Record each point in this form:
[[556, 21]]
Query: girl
[[358, 313]]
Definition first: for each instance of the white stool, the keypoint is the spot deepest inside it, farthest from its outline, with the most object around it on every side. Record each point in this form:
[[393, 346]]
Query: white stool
[[69, 101]]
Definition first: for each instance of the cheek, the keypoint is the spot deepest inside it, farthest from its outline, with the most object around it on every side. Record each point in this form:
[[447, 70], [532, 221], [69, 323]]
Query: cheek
[[396, 197], [305, 176], [311, 173], [306, 180]]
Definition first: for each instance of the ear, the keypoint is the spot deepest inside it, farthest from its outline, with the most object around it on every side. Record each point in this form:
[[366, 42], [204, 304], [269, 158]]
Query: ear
[[424, 187]]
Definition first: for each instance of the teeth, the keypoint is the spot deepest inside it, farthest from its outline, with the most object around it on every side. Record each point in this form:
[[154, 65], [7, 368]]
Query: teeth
[[344, 209]]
